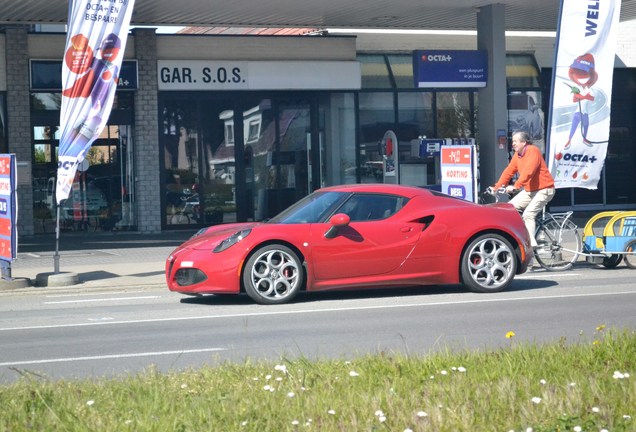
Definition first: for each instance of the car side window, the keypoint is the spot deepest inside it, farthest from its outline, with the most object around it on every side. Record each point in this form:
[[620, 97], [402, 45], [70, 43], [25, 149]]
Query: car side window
[[371, 207]]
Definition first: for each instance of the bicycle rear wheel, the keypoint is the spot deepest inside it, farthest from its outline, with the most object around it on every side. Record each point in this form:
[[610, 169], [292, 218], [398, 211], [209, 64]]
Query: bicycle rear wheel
[[559, 244], [630, 259]]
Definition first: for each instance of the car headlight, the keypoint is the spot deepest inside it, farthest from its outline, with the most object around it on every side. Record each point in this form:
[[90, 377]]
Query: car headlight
[[232, 240]]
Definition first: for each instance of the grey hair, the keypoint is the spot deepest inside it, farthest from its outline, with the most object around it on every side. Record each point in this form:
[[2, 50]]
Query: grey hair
[[523, 136]]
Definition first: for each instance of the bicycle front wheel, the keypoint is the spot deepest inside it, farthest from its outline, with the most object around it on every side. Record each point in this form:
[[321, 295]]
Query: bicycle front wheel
[[559, 244]]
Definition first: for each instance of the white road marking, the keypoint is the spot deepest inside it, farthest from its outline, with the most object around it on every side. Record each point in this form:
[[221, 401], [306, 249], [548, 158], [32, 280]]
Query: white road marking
[[542, 275], [106, 357], [86, 294], [101, 300], [308, 311]]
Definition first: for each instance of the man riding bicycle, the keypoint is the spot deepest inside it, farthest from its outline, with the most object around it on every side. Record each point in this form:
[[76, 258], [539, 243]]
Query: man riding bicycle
[[535, 185]]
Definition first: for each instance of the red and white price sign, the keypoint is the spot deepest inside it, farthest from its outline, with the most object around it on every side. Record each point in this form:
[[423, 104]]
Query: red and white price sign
[[8, 208]]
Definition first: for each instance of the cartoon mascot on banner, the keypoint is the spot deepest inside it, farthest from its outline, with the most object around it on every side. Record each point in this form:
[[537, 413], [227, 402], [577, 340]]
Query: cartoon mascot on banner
[[583, 74]]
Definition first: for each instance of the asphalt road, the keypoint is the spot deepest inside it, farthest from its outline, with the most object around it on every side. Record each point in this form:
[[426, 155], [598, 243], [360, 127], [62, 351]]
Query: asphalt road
[[69, 334]]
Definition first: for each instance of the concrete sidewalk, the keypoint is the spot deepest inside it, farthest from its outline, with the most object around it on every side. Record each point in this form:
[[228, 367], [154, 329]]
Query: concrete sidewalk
[[95, 260]]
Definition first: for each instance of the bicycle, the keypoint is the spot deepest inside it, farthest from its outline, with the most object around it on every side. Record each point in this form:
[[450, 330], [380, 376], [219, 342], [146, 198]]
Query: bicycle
[[558, 238]]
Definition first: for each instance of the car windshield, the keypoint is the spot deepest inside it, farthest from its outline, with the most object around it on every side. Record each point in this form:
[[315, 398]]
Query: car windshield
[[311, 209]]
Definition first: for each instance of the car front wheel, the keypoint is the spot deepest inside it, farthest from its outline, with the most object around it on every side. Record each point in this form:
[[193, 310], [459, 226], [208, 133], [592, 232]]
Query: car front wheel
[[273, 275], [488, 264]]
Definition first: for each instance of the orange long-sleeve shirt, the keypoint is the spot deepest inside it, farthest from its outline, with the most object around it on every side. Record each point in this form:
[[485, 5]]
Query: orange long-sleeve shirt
[[533, 172]]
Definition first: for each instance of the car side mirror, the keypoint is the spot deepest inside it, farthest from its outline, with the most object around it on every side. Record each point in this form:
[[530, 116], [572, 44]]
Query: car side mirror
[[337, 221]]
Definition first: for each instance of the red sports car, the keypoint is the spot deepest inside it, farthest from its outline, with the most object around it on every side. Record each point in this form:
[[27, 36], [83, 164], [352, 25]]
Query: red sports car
[[353, 237]]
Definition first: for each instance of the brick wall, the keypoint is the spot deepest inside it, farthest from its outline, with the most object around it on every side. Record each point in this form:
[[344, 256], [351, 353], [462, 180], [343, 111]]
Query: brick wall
[[147, 187], [19, 120]]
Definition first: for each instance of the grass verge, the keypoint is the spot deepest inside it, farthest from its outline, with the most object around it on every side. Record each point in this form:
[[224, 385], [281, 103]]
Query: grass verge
[[588, 386]]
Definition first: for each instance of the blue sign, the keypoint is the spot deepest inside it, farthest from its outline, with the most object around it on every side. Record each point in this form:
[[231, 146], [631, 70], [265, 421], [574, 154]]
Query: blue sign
[[47, 75], [430, 148], [450, 68], [457, 191]]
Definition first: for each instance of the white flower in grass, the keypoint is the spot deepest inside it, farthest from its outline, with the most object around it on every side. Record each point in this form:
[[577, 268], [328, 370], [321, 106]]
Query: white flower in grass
[[184, 386], [382, 419], [432, 377], [461, 369], [577, 429], [354, 374], [627, 417], [422, 414], [536, 400], [572, 384], [295, 422], [408, 430], [596, 409], [444, 372], [244, 423], [279, 379], [529, 429], [619, 375], [267, 387], [603, 430], [268, 377], [281, 368], [291, 394], [378, 413], [127, 422], [332, 412], [542, 381], [90, 402]]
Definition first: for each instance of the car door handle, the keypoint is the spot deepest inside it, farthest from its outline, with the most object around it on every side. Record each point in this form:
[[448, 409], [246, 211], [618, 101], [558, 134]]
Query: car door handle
[[406, 229]]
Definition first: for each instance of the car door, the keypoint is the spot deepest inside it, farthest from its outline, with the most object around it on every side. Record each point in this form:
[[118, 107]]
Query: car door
[[375, 242]]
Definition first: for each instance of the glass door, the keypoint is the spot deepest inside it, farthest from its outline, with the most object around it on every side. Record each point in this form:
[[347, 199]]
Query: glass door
[[102, 197], [198, 141], [280, 153]]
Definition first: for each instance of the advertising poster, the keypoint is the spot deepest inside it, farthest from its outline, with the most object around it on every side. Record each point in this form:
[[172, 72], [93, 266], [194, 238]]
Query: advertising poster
[[8, 208], [459, 171], [96, 38], [579, 121], [450, 68]]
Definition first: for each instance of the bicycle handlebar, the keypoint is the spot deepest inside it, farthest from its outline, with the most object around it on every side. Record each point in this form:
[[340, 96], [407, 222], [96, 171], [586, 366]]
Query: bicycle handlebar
[[492, 191]]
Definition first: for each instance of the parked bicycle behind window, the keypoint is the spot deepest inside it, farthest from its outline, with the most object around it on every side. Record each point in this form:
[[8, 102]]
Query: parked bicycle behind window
[[535, 185]]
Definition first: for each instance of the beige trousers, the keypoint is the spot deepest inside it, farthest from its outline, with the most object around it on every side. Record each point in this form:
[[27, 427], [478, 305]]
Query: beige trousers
[[532, 203]]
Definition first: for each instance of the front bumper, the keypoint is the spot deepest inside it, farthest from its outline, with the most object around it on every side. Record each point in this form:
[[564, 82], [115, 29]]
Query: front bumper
[[193, 271]]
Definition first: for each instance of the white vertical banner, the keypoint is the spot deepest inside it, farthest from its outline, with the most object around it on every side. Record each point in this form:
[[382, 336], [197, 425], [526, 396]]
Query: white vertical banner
[[96, 38], [579, 121]]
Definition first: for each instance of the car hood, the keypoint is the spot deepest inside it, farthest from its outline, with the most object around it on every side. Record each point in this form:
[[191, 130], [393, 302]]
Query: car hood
[[215, 234]]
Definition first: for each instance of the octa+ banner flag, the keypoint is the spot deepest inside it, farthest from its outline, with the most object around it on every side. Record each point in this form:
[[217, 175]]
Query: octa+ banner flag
[[579, 121], [96, 38]]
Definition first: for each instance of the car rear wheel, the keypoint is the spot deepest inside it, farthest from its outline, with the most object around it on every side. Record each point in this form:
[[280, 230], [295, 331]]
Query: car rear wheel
[[488, 264], [273, 275]]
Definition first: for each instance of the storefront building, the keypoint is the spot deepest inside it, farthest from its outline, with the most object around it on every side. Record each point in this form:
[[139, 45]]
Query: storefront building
[[215, 129]]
